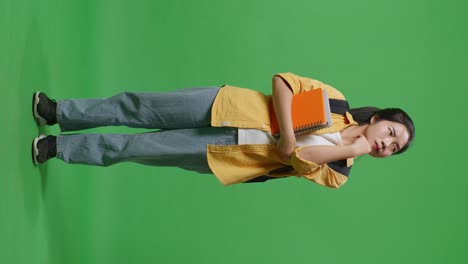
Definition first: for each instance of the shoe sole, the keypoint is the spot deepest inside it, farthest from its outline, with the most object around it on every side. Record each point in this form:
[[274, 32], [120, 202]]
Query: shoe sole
[[35, 150], [40, 120]]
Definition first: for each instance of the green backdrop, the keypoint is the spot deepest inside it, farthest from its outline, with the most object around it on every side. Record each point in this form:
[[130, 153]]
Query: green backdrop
[[405, 209]]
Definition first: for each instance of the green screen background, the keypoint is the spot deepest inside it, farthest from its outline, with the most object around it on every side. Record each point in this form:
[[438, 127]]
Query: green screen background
[[404, 209]]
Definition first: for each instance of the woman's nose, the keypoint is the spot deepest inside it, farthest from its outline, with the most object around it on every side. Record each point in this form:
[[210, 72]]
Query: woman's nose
[[386, 142]]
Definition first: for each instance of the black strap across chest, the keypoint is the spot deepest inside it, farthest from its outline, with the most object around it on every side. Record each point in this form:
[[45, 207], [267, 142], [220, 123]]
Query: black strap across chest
[[338, 106]]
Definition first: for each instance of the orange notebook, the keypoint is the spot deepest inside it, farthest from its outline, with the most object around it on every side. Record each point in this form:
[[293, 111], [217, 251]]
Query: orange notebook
[[310, 111]]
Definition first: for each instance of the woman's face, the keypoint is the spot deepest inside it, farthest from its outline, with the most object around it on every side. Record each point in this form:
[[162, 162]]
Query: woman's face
[[386, 137]]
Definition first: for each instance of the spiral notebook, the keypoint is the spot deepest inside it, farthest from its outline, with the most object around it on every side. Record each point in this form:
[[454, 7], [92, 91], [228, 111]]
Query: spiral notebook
[[310, 111]]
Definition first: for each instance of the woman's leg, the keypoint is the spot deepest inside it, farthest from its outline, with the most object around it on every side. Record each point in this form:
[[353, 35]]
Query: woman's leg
[[185, 108], [183, 148]]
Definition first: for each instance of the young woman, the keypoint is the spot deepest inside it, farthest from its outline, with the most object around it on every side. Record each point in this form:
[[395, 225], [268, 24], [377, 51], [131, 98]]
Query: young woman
[[224, 131]]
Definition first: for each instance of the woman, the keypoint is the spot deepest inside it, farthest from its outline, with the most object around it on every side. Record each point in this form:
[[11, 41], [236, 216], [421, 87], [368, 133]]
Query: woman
[[224, 131]]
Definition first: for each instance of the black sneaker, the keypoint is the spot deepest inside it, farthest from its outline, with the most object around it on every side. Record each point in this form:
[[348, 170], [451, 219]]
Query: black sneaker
[[44, 148], [44, 109]]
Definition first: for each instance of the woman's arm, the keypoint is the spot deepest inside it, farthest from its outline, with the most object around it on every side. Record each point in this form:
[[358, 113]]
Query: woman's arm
[[282, 99], [325, 154]]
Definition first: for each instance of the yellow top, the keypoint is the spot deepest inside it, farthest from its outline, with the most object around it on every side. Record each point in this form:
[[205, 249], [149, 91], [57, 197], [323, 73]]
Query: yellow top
[[244, 108]]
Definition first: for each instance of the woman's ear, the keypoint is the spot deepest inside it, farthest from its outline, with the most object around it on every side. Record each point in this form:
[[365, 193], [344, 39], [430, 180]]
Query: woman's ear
[[373, 119]]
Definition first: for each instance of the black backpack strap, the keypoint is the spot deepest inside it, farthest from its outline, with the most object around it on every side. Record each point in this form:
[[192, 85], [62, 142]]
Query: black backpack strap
[[340, 166], [265, 178], [338, 106]]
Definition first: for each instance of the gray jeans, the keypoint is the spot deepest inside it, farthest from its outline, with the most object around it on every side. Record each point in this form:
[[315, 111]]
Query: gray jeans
[[183, 116]]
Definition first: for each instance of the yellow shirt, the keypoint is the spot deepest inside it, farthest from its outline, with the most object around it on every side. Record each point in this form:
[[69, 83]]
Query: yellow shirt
[[244, 108]]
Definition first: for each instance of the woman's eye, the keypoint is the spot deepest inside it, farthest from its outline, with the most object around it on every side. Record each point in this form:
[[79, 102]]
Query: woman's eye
[[390, 132]]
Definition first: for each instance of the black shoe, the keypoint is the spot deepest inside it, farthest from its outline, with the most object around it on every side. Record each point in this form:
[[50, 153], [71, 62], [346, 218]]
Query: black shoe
[[44, 148], [44, 109]]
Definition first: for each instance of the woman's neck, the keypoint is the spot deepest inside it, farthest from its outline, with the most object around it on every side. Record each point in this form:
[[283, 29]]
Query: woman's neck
[[349, 134]]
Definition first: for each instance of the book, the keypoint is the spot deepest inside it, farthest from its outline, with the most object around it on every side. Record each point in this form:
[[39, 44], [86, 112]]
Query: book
[[310, 111]]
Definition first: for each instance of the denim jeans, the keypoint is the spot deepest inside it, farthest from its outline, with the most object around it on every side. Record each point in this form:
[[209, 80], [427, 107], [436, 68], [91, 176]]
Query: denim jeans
[[183, 116]]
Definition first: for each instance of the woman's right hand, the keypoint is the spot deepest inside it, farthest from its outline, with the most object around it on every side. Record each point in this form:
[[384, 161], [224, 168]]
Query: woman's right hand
[[361, 146], [286, 146]]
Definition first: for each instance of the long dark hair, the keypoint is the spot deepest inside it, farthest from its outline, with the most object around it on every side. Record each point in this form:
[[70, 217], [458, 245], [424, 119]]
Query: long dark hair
[[363, 116]]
